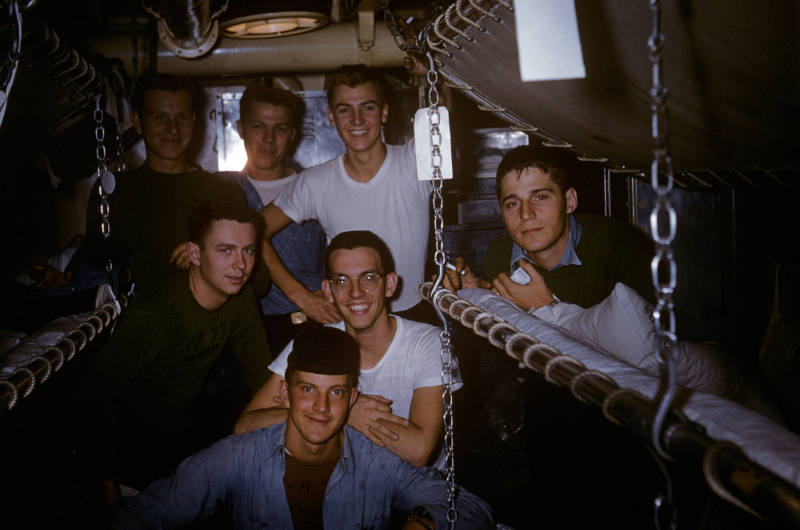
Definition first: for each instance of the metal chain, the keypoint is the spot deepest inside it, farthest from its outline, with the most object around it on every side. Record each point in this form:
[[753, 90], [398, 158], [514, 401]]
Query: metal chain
[[663, 224], [102, 169], [440, 258]]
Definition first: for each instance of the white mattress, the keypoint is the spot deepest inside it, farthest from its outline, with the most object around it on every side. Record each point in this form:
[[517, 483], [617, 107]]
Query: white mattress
[[764, 441]]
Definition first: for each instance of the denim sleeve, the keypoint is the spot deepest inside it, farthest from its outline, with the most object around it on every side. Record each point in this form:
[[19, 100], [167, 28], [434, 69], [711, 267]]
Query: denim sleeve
[[424, 487], [196, 490]]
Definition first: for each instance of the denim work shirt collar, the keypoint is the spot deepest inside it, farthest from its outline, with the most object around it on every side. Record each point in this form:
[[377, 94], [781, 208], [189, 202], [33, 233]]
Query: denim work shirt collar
[[569, 257]]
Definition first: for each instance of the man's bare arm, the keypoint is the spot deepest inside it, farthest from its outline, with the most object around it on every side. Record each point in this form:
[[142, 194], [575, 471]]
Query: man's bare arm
[[313, 303], [264, 409], [417, 440]]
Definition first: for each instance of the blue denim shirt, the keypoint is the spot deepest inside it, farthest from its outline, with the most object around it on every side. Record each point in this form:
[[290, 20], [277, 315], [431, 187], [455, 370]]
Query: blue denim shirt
[[246, 472], [301, 247], [569, 257]]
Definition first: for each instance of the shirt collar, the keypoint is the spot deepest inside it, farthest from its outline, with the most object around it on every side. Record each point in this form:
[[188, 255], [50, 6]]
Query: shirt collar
[[347, 446], [569, 257]]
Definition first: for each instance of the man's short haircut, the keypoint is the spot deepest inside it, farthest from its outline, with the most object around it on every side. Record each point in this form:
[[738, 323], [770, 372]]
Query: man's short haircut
[[203, 216], [361, 238], [168, 83], [274, 96], [356, 74], [324, 350], [557, 163]]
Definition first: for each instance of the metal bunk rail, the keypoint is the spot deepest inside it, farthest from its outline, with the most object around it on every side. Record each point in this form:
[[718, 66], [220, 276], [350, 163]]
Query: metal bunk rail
[[728, 471], [24, 379]]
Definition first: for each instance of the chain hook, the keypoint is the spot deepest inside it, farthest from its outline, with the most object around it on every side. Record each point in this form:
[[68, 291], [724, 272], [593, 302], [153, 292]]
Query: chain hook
[[666, 338]]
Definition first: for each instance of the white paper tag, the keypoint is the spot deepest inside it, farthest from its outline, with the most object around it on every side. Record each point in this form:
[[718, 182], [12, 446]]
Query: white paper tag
[[520, 276], [550, 46], [422, 144]]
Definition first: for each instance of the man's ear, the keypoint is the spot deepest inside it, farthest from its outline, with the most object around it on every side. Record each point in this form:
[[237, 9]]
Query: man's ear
[[391, 284], [326, 288], [353, 396], [136, 121], [283, 390], [239, 128], [384, 113], [572, 200], [330, 116], [194, 252]]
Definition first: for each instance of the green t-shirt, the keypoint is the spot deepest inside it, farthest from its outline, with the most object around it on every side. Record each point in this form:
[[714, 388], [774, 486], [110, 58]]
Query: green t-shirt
[[147, 377], [610, 251]]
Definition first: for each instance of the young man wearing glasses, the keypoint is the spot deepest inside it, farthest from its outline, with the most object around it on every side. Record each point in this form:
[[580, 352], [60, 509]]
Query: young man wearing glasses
[[400, 386]]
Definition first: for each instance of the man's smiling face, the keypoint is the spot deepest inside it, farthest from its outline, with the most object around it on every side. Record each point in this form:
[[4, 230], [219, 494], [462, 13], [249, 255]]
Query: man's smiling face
[[358, 113], [353, 288]]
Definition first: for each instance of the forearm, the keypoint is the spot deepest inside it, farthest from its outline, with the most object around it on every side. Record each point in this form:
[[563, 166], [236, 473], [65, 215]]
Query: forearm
[[251, 420], [414, 444]]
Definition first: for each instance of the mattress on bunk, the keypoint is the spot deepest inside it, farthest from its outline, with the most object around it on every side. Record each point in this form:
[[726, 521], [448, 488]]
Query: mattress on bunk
[[18, 348], [764, 440]]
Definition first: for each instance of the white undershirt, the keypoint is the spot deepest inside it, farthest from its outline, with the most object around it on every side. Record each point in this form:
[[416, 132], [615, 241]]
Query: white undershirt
[[269, 189]]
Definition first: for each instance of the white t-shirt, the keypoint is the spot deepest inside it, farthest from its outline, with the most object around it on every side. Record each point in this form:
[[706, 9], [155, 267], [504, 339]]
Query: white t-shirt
[[413, 360], [393, 204], [269, 189]]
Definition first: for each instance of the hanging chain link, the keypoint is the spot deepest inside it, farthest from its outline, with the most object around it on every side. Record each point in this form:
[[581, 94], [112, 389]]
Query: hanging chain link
[[102, 169], [663, 225], [440, 259]]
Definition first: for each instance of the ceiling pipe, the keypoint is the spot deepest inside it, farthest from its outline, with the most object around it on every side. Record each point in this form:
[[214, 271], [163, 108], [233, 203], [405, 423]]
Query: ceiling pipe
[[316, 51], [186, 27]]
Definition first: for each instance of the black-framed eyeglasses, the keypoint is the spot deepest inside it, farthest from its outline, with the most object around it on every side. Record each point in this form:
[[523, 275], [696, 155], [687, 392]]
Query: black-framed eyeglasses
[[369, 281]]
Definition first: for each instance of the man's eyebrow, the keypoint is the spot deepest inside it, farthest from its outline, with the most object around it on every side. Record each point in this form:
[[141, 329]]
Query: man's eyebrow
[[530, 192], [335, 274], [233, 245], [367, 102]]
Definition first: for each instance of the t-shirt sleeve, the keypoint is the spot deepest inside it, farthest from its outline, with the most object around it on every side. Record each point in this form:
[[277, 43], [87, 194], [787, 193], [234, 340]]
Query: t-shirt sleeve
[[278, 365], [427, 359], [408, 165], [296, 200]]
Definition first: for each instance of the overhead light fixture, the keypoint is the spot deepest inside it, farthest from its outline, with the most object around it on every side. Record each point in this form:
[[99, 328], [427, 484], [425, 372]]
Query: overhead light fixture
[[259, 20]]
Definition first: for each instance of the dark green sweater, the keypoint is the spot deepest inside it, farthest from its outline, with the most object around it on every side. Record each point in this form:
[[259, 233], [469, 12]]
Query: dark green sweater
[[150, 373], [610, 251]]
